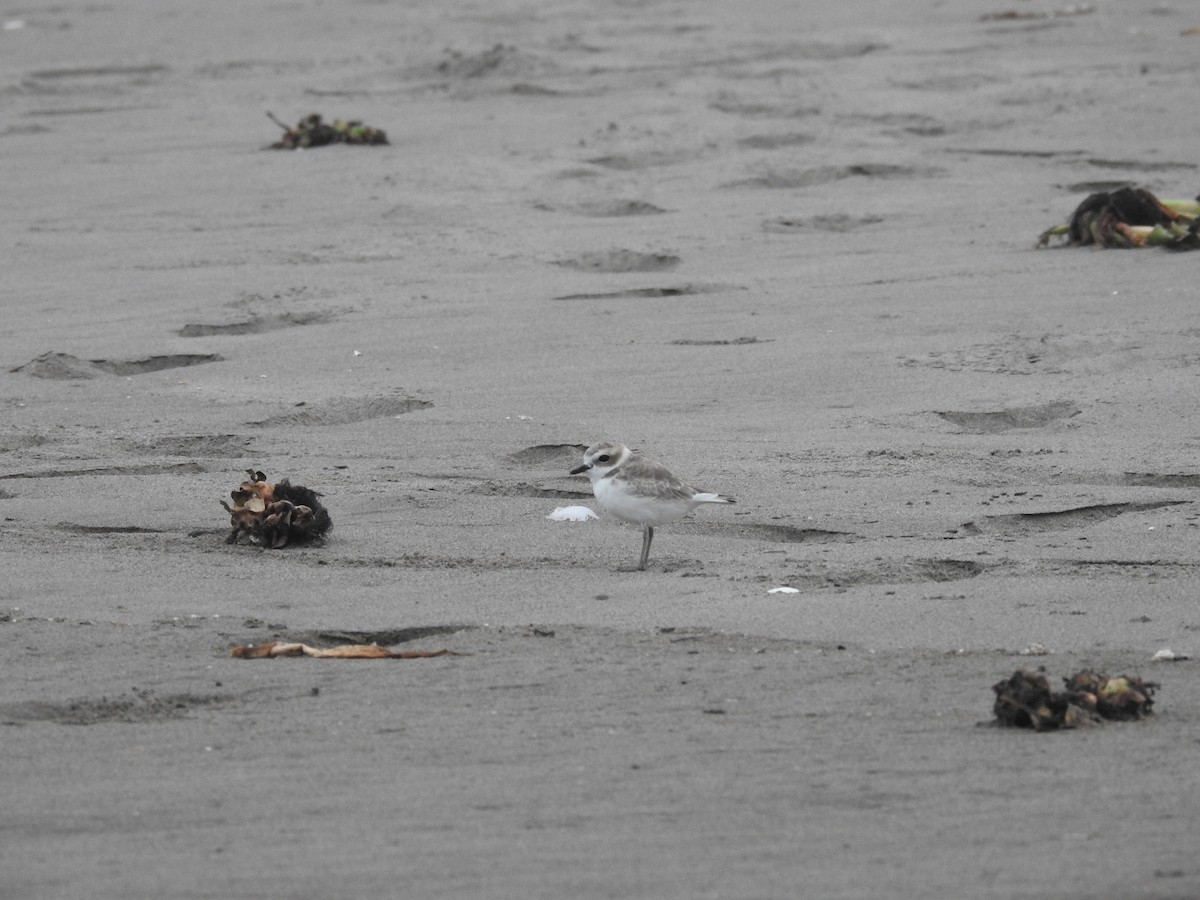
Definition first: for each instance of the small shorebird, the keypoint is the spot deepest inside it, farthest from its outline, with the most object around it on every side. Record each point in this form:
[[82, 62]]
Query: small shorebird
[[639, 491]]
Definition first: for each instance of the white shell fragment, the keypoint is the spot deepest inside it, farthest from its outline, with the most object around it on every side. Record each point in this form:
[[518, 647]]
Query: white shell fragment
[[572, 514], [1166, 654], [784, 590]]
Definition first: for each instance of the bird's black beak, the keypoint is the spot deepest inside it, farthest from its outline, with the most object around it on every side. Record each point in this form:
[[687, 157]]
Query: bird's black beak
[[579, 470]]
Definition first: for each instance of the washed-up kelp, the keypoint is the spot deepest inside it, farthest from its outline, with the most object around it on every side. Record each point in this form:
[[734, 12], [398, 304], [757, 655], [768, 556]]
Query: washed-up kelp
[[1130, 217], [1025, 700], [275, 515], [273, 649], [313, 131]]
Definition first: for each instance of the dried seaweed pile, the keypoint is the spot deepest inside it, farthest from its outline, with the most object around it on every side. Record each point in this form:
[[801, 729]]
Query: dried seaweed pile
[[273, 649], [1026, 701], [275, 515], [1130, 217], [313, 131]]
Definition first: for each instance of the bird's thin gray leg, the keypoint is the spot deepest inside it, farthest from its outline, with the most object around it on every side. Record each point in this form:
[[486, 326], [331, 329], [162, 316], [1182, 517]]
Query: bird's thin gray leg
[[647, 537]]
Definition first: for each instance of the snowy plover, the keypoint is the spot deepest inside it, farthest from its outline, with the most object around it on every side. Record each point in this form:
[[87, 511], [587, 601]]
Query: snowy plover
[[639, 491]]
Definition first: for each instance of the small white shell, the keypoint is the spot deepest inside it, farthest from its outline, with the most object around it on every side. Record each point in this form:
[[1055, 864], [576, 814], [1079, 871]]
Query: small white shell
[[1166, 654], [572, 514], [784, 590]]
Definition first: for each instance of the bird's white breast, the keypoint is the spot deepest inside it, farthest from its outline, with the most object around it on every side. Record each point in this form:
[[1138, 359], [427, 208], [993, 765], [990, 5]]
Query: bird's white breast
[[622, 499]]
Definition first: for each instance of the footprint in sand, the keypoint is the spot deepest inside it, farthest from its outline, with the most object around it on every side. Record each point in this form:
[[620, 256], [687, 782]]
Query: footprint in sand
[[64, 366], [603, 209], [256, 324], [838, 223], [346, 411], [1013, 417], [789, 179], [1015, 524], [680, 290], [549, 455], [621, 261]]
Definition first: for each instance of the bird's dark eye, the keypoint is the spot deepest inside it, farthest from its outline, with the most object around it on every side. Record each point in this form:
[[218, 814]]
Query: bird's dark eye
[[602, 458]]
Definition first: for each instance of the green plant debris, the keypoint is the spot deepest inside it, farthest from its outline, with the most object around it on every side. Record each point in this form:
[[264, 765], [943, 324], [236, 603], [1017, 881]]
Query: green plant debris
[[1129, 218], [313, 131]]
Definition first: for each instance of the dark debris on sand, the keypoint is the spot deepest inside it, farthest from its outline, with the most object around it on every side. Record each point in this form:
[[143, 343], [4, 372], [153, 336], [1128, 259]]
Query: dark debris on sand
[[1130, 217], [276, 514], [1025, 700], [313, 131]]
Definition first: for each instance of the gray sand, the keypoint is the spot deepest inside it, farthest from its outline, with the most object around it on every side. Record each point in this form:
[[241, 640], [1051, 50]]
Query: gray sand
[[785, 248]]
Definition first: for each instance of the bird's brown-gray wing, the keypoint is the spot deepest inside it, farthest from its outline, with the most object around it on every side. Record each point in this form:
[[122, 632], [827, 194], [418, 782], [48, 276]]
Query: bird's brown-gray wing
[[656, 480]]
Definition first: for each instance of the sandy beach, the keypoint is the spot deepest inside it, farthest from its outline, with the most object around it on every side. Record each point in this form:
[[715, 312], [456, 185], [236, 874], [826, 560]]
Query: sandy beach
[[787, 249]]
